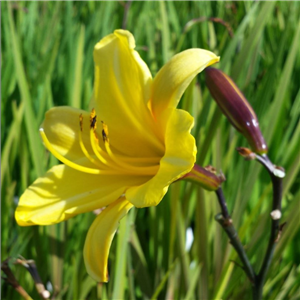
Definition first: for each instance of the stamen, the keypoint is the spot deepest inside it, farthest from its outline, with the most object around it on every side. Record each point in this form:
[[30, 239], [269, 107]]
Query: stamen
[[114, 162], [140, 160], [81, 122], [93, 119], [68, 162], [83, 149], [145, 170], [94, 139], [105, 132]]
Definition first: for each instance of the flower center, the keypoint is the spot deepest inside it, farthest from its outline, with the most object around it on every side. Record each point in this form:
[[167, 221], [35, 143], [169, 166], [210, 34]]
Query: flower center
[[105, 161], [110, 159]]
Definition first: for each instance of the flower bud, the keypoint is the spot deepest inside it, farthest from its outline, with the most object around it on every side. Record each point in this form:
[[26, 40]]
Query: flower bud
[[235, 107], [206, 177]]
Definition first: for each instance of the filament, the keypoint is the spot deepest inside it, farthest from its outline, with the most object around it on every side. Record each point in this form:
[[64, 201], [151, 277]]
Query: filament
[[85, 152], [120, 164], [67, 162], [95, 148]]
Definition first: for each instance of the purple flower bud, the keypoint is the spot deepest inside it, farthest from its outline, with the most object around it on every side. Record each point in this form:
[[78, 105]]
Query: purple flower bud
[[235, 107]]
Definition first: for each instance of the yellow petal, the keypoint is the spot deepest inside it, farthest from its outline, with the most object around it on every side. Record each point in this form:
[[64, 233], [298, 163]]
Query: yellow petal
[[99, 238], [175, 76], [121, 92], [178, 160], [64, 192], [61, 126]]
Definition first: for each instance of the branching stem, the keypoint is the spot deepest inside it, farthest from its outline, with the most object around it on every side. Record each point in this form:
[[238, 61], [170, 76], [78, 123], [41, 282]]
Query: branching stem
[[224, 219], [276, 175]]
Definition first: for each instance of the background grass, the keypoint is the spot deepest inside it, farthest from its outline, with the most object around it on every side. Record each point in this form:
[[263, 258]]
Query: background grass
[[47, 61]]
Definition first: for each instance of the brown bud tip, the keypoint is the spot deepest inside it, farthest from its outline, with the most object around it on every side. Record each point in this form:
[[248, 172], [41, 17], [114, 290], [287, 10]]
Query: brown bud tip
[[235, 107], [246, 153]]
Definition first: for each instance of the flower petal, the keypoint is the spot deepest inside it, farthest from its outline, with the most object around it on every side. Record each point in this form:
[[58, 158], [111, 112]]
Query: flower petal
[[178, 160], [99, 238], [121, 92], [175, 76], [61, 126], [63, 193]]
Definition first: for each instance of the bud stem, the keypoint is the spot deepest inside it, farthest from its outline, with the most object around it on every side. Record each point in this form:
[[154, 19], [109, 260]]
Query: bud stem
[[225, 221], [275, 223]]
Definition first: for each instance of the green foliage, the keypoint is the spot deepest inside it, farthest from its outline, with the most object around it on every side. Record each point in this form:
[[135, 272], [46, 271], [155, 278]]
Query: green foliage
[[47, 60]]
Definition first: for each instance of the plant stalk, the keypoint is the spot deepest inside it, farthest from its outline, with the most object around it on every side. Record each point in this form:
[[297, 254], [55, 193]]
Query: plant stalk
[[276, 175], [225, 221]]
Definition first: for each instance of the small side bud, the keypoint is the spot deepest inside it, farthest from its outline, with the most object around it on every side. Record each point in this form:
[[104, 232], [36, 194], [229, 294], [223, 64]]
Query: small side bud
[[235, 107], [246, 153], [206, 177], [276, 214]]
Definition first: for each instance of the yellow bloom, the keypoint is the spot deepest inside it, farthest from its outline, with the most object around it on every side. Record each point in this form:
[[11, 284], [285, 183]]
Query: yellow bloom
[[124, 153]]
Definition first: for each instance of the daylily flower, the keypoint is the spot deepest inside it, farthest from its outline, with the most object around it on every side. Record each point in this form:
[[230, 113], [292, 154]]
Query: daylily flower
[[125, 153]]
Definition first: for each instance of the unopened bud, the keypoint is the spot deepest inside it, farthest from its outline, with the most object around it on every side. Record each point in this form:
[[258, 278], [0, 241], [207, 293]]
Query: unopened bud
[[235, 107], [205, 177]]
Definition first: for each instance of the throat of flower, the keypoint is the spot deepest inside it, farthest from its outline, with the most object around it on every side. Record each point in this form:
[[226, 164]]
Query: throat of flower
[[106, 156], [105, 161]]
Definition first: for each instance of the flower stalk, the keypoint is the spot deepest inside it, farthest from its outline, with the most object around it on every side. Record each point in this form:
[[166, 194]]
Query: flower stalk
[[276, 174]]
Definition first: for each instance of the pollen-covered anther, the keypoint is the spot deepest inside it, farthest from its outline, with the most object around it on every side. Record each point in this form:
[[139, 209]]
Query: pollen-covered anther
[[105, 132], [81, 122], [93, 119]]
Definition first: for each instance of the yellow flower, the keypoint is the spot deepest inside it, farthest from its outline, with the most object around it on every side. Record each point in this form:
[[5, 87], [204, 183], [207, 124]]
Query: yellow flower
[[125, 153]]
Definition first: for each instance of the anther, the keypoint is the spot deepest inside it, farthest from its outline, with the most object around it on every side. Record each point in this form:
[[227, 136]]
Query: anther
[[93, 119], [105, 132], [94, 123], [81, 121]]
